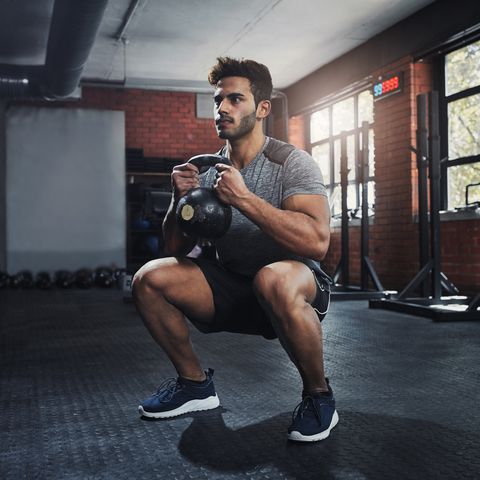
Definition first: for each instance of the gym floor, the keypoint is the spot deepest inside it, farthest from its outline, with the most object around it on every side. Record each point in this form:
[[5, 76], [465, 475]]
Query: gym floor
[[76, 363]]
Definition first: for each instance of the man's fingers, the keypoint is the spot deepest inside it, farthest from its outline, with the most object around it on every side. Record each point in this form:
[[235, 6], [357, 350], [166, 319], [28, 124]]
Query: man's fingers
[[221, 167], [186, 167], [181, 173]]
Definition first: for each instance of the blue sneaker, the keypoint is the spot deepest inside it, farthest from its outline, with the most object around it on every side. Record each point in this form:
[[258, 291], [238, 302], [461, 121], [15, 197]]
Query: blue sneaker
[[314, 417], [177, 396]]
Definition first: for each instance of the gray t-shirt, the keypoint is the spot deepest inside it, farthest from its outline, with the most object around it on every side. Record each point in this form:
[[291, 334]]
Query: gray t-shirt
[[276, 173]]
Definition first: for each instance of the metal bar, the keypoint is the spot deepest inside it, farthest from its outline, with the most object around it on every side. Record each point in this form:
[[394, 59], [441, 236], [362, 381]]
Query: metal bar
[[373, 274], [126, 19], [448, 285], [364, 174], [353, 294], [463, 160], [358, 155], [344, 186], [463, 94], [440, 86], [337, 136], [474, 304], [3, 183], [434, 150], [456, 41], [337, 272], [413, 284], [422, 163], [425, 310]]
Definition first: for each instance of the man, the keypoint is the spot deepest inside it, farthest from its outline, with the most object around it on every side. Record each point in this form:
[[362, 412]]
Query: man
[[266, 279]]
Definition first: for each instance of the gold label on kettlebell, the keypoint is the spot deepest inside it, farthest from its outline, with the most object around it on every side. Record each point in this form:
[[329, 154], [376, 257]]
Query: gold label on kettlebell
[[187, 212]]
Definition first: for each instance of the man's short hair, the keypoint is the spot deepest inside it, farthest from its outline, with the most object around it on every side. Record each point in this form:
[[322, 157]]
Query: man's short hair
[[257, 73]]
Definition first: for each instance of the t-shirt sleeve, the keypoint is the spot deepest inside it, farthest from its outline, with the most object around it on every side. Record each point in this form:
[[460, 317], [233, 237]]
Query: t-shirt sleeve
[[302, 176]]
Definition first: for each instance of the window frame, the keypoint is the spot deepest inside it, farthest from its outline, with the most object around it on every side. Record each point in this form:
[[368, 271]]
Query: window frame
[[439, 85], [333, 138]]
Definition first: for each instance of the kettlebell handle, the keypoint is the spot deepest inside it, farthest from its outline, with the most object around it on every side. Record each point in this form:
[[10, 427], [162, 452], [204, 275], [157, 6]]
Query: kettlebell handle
[[205, 161]]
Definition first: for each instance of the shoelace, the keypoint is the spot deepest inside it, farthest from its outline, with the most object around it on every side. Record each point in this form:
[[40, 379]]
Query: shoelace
[[167, 389], [303, 406]]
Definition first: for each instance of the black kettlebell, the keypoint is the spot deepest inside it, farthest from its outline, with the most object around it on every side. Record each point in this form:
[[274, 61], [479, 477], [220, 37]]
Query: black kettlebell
[[26, 279], [104, 277], [84, 278], [3, 280], [43, 281], [64, 279], [200, 213]]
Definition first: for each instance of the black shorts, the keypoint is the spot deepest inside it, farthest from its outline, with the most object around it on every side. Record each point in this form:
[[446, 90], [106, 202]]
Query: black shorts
[[236, 306]]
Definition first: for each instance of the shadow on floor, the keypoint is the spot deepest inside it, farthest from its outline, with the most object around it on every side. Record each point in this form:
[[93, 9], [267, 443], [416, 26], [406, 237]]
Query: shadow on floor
[[361, 446]]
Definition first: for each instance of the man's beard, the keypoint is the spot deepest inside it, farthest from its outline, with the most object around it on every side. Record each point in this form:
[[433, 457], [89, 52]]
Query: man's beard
[[247, 124]]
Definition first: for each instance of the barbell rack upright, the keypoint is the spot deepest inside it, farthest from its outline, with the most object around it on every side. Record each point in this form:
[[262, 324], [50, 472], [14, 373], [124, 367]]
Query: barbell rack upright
[[344, 290]]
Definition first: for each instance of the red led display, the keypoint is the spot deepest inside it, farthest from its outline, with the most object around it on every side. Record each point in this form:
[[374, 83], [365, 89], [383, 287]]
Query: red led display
[[386, 87]]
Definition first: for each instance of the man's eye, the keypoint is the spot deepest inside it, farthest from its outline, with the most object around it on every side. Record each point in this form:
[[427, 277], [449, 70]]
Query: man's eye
[[236, 100]]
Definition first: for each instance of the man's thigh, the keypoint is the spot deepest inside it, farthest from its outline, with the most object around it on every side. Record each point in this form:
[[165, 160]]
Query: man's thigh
[[182, 283]]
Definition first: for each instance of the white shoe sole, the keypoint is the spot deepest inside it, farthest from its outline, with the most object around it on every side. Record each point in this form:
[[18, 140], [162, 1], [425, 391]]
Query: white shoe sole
[[208, 403], [298, 437]]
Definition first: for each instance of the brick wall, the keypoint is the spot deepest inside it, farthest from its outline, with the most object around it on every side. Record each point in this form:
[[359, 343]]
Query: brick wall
[[461, 253], [297, 131], [394, 235], [393, 247], [164, 124]]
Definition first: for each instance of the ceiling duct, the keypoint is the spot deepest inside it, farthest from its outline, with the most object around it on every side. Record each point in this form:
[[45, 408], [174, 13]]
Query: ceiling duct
[[73, 30]]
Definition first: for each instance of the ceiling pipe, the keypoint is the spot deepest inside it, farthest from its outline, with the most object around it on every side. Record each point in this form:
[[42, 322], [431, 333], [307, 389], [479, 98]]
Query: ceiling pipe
[[73, 29], [126, 20]]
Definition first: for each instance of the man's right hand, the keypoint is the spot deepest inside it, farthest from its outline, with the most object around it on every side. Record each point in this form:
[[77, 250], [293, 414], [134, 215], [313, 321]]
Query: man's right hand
[[184, 178]]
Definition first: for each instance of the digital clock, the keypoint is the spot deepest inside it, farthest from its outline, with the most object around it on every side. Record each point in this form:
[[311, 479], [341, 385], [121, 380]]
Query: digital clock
[[388, 86]]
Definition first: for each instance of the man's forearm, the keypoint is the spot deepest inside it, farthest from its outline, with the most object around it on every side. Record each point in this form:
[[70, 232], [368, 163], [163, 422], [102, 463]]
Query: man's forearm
[[176, 242]]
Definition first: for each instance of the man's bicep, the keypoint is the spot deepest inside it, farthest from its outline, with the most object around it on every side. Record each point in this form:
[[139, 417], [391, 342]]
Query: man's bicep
[[315, 206]]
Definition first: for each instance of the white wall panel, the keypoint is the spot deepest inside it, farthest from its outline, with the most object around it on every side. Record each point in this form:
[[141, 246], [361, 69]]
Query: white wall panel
[[65, 193]]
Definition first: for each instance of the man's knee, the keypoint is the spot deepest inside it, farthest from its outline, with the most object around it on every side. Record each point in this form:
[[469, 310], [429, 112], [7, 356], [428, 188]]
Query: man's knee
[[151, 277], [273, 286]]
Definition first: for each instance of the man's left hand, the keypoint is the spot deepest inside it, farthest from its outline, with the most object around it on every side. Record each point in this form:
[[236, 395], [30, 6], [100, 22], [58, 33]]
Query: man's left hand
[[229, 185]]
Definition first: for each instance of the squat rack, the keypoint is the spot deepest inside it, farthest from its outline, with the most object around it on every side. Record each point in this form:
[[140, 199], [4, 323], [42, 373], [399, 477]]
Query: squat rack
[[430, 280], [344, 290]]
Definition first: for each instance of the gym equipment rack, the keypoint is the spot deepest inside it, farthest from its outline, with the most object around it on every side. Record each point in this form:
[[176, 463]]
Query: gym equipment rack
[[430, 280], [344, 290]]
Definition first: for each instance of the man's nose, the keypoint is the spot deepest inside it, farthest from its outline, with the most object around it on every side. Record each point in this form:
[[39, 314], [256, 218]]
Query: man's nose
[[223, 106]]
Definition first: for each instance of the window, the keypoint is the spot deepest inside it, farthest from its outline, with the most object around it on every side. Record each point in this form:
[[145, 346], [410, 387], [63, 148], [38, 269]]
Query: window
[[326, 126], [461, 124]]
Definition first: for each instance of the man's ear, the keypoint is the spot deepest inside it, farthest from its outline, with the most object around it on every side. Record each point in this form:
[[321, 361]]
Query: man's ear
[[263, 109]]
